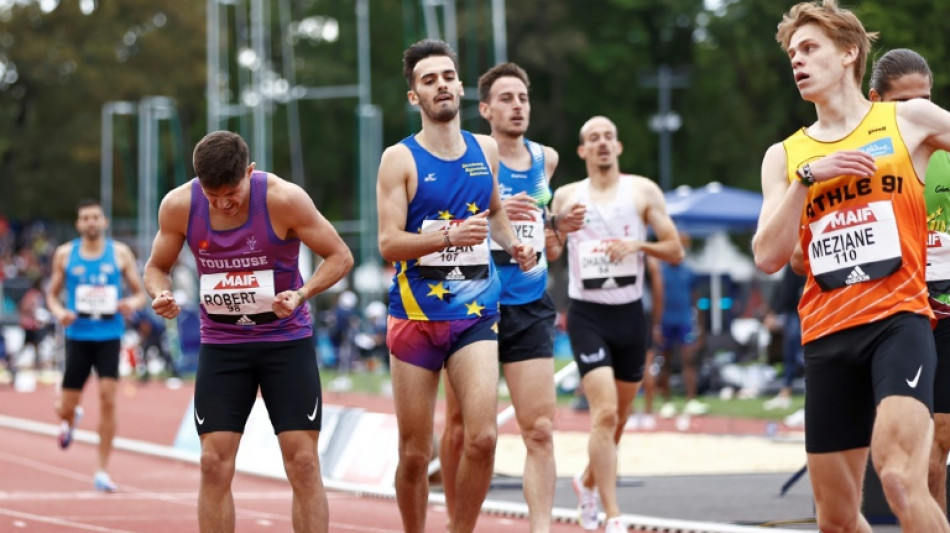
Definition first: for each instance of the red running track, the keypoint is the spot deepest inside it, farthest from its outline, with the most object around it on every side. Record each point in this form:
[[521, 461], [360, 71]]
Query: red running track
[[45, 489]]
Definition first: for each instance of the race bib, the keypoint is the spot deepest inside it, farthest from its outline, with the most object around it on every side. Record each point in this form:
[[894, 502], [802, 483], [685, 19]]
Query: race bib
[[453, 262], [529, 232], [938, 256], [97, 301], [599, 272], [854, 245], [243, 298]]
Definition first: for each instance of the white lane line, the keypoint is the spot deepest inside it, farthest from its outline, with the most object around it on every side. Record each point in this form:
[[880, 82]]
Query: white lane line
[[59, 522]]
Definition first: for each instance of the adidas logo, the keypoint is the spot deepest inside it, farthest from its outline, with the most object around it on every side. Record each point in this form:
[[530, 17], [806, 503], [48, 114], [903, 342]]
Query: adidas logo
[[455, 274], [611, 283], [856, 276], [592, 358], [245, 321]]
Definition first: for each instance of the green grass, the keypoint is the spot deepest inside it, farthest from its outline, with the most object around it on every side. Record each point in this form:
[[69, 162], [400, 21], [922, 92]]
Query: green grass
[[374, 384]]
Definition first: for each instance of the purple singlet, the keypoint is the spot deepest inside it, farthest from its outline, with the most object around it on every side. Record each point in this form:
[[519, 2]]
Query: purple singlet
[[241, 270]]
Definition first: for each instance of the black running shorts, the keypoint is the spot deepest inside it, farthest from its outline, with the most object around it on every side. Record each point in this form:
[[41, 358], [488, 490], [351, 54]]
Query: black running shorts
[[229, 376], [83, 356], [849, 372], [526, 331], [608, 335]]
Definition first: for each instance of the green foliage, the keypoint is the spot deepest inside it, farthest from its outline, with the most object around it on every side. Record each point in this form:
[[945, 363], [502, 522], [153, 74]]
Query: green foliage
[[583, 60]]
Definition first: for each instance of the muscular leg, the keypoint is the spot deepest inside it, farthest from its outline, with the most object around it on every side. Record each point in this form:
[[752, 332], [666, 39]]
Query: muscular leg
[[531, 384], [414, 394], [66, 404], [215, 501], [450, 449], [937, 472], [836, 480], [473, 371], [309, 511], [900, 447], [107, 419], [601, 447]]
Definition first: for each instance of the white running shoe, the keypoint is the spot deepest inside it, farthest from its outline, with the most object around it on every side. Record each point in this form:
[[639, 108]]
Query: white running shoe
[[586, 504], [695, 407], [102, 482], [779, 402], [668, 410], [615, 525]]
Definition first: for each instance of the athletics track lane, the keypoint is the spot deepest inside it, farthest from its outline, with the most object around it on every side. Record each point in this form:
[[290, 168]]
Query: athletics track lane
[[46, 490]]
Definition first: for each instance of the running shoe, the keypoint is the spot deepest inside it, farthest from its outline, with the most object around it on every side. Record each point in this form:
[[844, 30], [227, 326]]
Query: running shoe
[[615, 525], [667, 410], [102, 482], [586, 504], [66, 430], [695, 407]]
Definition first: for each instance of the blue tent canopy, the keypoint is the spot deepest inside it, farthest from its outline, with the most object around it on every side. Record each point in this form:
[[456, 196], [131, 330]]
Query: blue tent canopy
[[713, 207]]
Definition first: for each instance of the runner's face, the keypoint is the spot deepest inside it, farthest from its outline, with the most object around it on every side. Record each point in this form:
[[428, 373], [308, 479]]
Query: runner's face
[[600, 147], [437, 89], [508, 109], [906, 87], [817, 63], [228, 200], [91, 222]]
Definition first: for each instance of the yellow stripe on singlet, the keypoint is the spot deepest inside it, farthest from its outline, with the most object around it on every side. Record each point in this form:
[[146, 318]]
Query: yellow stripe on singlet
[[409, 303]]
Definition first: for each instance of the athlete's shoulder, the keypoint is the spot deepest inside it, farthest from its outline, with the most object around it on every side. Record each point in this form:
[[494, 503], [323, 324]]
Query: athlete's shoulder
[[177, 199], [63, 250], [396, 160], [486, 142]]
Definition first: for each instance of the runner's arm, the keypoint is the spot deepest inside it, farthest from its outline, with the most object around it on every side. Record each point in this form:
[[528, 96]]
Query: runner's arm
[[133, 282], [55, 287], [392, 205], [782, 205], [305, 222], [667, 246]]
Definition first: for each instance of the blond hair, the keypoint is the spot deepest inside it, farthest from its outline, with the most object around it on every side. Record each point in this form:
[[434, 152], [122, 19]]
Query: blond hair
[[840, 24]]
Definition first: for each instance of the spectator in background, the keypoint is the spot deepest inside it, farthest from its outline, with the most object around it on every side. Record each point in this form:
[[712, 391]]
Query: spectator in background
[[151, 330], [652, 306], [679, 334], [783, 316], [33, 319], [345, 322]]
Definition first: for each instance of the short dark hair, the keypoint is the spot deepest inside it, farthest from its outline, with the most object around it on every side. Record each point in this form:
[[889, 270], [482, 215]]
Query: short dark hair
[[895, 64], [423, 49], [220, 159], [486, 80], [87, 202]]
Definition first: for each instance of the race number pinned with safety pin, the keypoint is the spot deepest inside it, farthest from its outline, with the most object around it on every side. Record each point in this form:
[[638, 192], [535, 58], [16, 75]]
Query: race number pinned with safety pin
[[599, 272], [454, 263], [854, 245]]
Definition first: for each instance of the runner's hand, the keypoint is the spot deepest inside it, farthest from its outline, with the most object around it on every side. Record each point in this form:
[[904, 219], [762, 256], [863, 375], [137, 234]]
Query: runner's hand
[[125, 307], [471, 231], [521, 207], [285, 303], [843, 163], [165, 305], [66, 318], [571, 219], [621, 248], [525, 255]]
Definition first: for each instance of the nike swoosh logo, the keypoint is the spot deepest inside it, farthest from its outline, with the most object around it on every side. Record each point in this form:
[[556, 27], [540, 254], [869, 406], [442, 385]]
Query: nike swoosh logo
[[200, 420], [913, 383], [313, 415]]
